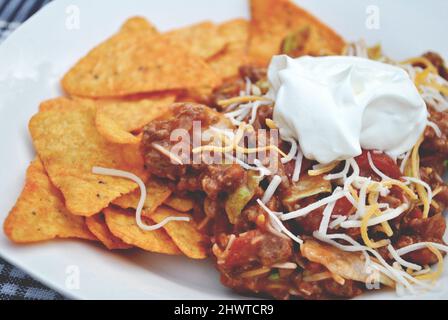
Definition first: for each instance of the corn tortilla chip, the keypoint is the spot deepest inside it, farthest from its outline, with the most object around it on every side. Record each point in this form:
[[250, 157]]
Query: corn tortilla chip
[[40, 214], [138, 24], [112, 132], [228, 62], [54, 104], [133, 114], [182, 204], [273, 20], [97, 225], [198, 95], [157, 194], [122, 224], [184, 234], [202, 39], [133, 62], [69, 146]]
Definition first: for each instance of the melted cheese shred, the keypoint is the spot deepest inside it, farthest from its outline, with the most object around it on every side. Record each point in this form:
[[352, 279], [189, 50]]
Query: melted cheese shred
[[319, 170], [373, 200], [420, 60], [365, 236], [415, 166], [390, 183], [436, 274], [425, 78], [141, 202], [435, 248]]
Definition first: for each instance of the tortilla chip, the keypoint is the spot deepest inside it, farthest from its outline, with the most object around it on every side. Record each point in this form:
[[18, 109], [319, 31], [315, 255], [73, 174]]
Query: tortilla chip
[[40, 214], [157, 194], [112, 132], [202, 39], [122, 224], [133, 62], [69, 146], [53, 104], [184, 234], [228, 62], [182, 204], [199, 95], [97, 225], [131, 114], [273, 20], [138, 24]]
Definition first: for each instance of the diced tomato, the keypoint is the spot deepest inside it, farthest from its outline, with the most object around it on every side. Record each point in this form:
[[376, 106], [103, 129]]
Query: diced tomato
[[398, 193], [242, 250], [342, 207], [382, 161], [416, 213]]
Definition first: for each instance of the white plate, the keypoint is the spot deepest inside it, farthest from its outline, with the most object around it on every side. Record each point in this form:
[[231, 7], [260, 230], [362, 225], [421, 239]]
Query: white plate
[[34, 58]]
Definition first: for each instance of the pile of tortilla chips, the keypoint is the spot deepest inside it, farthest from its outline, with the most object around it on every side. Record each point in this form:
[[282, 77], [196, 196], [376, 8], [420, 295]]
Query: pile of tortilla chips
[[124, 83]]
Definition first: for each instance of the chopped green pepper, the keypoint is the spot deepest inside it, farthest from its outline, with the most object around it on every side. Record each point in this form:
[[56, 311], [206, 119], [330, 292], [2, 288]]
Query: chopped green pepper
[[237, 200]]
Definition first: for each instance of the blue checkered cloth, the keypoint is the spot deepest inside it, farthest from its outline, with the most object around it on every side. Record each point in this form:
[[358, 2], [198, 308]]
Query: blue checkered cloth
[[14, 283]]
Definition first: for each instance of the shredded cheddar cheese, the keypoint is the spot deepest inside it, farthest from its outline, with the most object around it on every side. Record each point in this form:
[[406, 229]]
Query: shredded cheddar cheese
[[415, 165], [271, 124], [415, 158], [436, 274], [324, 169], [353, 193], [437, 191], [420, 60], [391, 183], [373, 200], [365, 236], [439, 87], [385, 225], [435, 205], [426, 77]]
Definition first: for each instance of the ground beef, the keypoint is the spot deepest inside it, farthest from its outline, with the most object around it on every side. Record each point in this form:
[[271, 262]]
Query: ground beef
[[438, 62], [442, 196], [256, 248], [159, 132], [274, 249], [263, 113], [435, 162], [254, 74], [349, 289], [212, 179], [434, 145], [422, 230], [311, 222], [249, 215], [229, 89], [233, 87], [310, 290], [217, 179]]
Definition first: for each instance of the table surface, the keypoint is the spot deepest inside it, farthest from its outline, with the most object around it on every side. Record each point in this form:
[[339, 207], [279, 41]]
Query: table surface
[[14, 283]]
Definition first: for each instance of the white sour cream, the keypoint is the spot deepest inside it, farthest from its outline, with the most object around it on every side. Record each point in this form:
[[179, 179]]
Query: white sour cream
[[334, 106]]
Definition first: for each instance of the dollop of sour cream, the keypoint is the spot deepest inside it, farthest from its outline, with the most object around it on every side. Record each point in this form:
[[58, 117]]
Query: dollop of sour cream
[[336, 106]]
